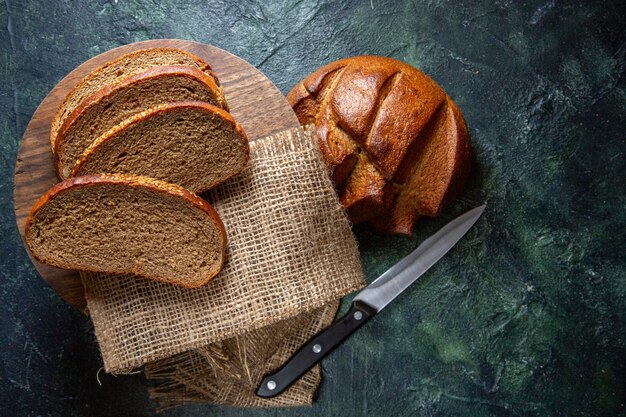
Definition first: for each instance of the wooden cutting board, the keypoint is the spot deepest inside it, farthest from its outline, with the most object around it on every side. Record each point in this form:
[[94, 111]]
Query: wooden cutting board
[[253, 100]]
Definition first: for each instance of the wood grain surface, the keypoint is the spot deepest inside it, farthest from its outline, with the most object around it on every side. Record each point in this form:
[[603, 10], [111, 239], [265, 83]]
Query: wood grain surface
[[253, 99]]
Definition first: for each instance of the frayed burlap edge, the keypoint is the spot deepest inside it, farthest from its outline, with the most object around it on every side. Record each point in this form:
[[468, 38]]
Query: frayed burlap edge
[[229, 372]]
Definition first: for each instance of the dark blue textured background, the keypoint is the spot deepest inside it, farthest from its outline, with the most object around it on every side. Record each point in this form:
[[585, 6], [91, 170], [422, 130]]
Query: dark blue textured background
[[526, 317]]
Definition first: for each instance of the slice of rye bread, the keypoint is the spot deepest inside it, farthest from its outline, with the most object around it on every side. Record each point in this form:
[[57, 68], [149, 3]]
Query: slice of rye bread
[[120, 68], [192, 144], [128, 224], [117, 102]]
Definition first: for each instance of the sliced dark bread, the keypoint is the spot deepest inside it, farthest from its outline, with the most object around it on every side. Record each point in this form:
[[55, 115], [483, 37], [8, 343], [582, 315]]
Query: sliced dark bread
[[128, 224], [118, 69], [192, 144], [117, 102]]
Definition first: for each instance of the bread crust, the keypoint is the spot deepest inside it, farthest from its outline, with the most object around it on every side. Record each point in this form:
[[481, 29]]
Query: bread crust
[[374, 109], [56, 122], [109, 90], [164, 108], [401, 219], [131, 181]]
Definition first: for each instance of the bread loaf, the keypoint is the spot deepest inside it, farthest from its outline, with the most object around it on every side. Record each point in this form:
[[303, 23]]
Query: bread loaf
[[125, 66], [128, 224], [396, 145], [118, 101], [193, 144]]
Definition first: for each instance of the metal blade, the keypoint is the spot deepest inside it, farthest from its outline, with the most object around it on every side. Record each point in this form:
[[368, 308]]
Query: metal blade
[[398, 278]]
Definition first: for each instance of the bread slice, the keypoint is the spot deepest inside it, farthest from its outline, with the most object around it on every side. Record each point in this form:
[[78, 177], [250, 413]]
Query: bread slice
[[125, 66], [117, 102], [128, 224], [193, 144]]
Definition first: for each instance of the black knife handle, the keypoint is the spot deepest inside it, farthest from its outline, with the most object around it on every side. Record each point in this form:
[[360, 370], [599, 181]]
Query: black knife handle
[[314, 350]]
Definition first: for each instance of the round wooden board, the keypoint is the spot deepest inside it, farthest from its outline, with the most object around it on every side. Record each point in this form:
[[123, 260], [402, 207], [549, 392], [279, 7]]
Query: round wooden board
[[254, 102]]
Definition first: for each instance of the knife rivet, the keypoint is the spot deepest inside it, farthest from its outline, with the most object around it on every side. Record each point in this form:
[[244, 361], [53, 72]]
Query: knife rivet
[[317, 348], [271, 385], [357, 315]]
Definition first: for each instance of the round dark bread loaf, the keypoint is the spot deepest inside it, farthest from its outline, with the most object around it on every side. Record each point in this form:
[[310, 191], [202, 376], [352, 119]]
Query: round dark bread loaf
[[396, 145], [127, 224]]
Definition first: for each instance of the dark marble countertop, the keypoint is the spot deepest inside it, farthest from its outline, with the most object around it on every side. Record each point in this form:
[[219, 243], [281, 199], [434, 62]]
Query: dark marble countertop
[[526, 317]]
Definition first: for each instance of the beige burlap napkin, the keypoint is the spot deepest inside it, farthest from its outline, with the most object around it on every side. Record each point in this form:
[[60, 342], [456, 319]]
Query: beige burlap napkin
[[229, 372], [291, 256]]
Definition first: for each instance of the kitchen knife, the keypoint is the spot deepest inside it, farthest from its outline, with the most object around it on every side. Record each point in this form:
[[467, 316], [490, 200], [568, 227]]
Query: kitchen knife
[[371, 300]]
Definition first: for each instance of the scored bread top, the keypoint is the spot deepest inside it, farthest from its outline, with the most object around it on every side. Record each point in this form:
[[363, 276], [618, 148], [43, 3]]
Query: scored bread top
[[232, 153], [133, 181], [373, 119], [122, 67], [115, 102], [435, 176], [380, 103]]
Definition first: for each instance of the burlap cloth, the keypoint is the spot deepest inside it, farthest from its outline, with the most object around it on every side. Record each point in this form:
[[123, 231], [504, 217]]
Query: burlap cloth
[[291, 257]]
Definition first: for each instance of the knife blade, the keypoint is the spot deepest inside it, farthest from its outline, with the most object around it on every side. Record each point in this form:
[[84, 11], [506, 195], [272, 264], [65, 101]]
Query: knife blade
[[368, 302]]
